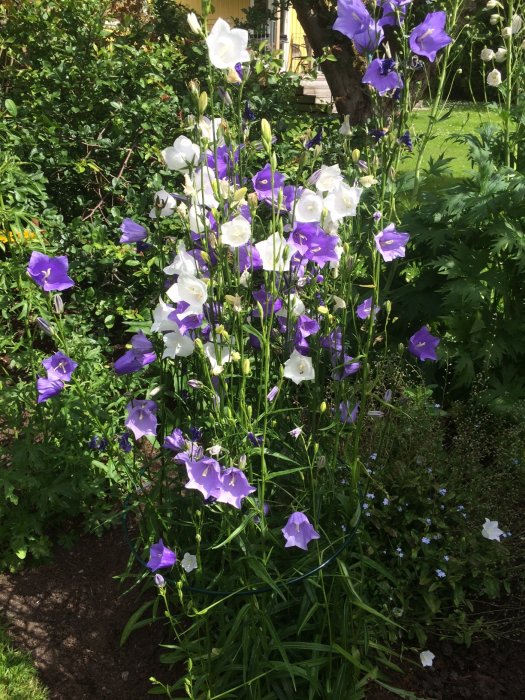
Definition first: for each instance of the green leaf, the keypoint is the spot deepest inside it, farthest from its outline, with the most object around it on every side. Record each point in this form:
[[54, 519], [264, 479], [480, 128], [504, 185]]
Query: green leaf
[[11, 107]]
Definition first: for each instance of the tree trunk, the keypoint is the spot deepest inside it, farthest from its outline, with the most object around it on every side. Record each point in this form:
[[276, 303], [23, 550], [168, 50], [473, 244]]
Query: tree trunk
[[344, 75]]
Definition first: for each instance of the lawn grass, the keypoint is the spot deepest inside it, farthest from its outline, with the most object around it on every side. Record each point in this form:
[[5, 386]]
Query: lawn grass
[[464, 118], [18, 678]]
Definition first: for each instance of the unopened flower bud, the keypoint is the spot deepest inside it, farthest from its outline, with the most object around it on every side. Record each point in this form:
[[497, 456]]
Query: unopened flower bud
[[240, 194], [44, 326], [506, 32], [322, 310], [58, 304], [194, 23], [159, 580], [322, 407], [246, 366], [494, 19], [198, 343], [491, 4], [253, 200], [266, 133], [356, 154], [193, 87]]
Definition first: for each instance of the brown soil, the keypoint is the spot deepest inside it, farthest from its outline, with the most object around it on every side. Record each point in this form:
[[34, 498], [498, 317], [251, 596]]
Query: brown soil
[[70, 614]]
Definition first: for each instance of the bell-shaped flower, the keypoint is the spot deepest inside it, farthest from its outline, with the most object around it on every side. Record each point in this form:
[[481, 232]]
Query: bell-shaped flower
[[141, 418], [423, 345], [175, 441], [429, 37], [140, 355], [164, 318], [59, 367], [226, 46], [132, 232], [191, 290], [165, 204], [160, 556], [391, 243], [364, 309], [327, 179], [267, 184], [427, 658], [177, 345], [49, 273], [204, 476], [309, 207], [298, 531], [234, 487], [343, 202], [236, 232], [491, 531], [189, 562], [299, 368], [275, 253], [183, 263], [46, 388], [381, 75], [211, 130], [182, 156]]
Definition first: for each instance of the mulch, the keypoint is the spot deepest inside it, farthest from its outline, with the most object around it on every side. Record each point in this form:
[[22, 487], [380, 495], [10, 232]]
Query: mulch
[[69, 614]]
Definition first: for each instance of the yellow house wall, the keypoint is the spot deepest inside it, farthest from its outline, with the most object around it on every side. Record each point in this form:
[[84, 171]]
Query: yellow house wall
[[224, 8]]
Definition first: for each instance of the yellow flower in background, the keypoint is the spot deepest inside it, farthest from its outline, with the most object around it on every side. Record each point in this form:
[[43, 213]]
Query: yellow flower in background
[[16, 236]]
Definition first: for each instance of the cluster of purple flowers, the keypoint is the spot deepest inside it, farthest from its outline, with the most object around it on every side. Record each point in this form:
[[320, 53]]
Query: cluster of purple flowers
[[59, 369], [367, 33]]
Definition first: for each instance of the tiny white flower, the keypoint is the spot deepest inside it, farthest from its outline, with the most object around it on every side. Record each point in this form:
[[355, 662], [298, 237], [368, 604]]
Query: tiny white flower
[[214, 450], [236, 232], [189, 562], [194, 23], [183, 155], [299, 368], [501, 55], [494, 78], [427, 658], [487, 54], [506, 32], [227, 46], [165, 204], [490, 530], [345, 129]]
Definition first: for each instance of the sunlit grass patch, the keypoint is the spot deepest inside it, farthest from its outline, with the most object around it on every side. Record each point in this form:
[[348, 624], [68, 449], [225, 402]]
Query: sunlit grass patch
[[18, 678]]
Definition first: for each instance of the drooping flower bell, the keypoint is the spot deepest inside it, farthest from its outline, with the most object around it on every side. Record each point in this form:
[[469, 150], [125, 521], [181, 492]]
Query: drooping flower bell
[[298, 531], [423, 345], [227, 47], [391, 243], [160, 556], [381, 75], [429, 37]]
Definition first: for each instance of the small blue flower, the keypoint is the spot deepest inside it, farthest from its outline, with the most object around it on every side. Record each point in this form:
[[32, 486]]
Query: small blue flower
[[428, 521], [386, 502], [440, 573], [446, 557], [370, 496], [400, 552], [425, 540], [443, 492]]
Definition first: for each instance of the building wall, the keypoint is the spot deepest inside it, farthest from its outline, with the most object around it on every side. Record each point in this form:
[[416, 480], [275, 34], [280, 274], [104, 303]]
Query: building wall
[[223, 8]]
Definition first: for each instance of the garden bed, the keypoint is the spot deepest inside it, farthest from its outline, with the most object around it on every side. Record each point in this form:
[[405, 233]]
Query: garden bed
[[70, 614]]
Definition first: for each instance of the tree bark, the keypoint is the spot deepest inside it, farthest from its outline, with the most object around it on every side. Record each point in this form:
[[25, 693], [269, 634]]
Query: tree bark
[[344, 75]]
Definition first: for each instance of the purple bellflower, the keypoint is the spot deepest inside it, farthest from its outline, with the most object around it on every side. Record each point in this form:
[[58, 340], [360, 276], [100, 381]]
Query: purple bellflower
[[405, 140], [429, 37], [364, 309], [344, 367], [381, 75], [348, 417], [391, 243], [160, 556], [315, 140], [49, 273], [140, 355], [59, 367], [175, 441], [234, 487], [262, 183], [204, 476], [132, 232], [423, 345], [298, 531], [394, 12], [124, 443], [47, 388], [141, 419]]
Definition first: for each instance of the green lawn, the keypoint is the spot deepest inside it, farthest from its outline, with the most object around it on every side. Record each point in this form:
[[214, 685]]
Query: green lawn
[[18, 679], [464, 118]]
